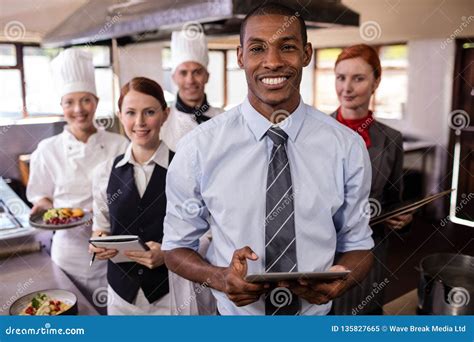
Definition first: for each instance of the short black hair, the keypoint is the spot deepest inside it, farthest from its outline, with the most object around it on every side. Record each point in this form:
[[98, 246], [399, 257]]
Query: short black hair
[[274, 8]]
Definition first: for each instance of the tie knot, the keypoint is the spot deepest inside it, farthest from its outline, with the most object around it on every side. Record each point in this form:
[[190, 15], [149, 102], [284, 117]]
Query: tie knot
[[277, 135]]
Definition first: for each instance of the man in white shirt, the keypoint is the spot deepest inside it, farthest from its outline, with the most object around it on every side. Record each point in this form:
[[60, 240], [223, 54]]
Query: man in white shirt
[[189, 71]]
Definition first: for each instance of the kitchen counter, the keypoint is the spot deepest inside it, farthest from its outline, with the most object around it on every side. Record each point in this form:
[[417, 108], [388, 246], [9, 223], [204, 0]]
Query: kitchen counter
[[22, 274], [403, 305], [25, 273]]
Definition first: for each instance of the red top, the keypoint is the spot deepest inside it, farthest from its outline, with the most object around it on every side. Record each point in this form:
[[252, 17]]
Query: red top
[[361, 126]]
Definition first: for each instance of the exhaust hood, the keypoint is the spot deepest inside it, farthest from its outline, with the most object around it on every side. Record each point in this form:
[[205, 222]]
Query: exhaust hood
[[134, 20]]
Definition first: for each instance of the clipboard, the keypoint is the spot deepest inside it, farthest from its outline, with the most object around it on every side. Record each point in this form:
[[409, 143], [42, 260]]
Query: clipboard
[[121, 243], [407, 208]]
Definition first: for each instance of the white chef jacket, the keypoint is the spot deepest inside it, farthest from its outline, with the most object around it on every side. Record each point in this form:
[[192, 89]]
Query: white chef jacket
[[61, 170], [179, 124], [188, 298]]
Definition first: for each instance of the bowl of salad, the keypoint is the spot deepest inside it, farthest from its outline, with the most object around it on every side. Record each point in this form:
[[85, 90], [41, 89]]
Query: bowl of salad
[[51, 302]]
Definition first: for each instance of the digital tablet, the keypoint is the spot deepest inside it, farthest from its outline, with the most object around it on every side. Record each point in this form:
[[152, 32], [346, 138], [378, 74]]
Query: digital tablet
[[281, 276]]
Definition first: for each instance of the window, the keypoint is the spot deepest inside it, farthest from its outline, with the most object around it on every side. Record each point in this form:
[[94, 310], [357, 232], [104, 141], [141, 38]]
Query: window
[[326, 98], [41, 98], [389, 99], [391, 95], [30, 65], [236, 81], [11, 98]]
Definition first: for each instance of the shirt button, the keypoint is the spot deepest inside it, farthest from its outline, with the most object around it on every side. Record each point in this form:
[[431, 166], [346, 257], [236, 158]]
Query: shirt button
[[140, 209], [140, 230], [140, 272]]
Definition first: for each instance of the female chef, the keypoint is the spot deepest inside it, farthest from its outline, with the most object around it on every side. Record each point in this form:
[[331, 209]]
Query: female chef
[[358, 74], [129, 199], [61, 167]]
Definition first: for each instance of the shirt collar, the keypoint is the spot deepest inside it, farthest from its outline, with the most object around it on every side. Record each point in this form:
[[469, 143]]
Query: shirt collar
[[160, 157], [259, 125], [94, 138]]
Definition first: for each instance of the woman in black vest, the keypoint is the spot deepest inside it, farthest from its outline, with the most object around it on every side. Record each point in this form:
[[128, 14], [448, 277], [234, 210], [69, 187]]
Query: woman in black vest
[[129, 199]]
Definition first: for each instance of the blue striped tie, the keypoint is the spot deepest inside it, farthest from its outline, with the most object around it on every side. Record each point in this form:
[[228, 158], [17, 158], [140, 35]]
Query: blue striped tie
[[280, 239]]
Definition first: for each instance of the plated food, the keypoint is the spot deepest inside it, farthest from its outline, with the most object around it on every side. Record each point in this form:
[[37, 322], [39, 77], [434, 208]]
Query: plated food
[[61, 218], [62, 215], [49, 302], [43, 305]]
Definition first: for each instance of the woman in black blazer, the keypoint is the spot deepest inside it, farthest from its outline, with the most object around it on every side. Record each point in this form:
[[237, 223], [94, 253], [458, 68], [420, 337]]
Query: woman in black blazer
[[358, 74]]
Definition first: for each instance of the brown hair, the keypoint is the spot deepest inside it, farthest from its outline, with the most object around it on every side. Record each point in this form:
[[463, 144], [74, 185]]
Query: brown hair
[[143, 85], [366, 52]]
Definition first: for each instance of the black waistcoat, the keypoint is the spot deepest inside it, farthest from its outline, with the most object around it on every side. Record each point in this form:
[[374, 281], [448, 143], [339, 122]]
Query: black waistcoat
[[132, 215]]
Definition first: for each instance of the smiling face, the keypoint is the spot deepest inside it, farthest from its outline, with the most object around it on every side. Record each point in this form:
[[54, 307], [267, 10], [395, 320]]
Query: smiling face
[[142, 118], [191, 79], [273, 62], [355, 83], [79, 109]]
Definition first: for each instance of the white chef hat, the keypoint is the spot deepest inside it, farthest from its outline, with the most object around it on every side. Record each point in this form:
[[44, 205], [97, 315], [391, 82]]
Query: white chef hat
[[73, 71], [188, 47]]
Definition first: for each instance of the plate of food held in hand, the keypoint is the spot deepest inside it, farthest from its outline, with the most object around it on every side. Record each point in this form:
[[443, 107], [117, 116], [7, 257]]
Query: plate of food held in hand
[[61, 218], [45, 303]]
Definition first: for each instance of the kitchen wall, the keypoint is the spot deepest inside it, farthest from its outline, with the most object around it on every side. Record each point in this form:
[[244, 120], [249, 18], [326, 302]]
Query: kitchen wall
[[22, 139]]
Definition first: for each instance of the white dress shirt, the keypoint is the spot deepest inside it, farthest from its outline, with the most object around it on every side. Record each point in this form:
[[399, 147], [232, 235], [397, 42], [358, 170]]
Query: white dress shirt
[[221, 168], [61, 170], [142, 175]]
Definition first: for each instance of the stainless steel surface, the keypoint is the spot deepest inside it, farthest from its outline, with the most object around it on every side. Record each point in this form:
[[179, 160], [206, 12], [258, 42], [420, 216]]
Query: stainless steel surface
[[34, 272], [446, 284]]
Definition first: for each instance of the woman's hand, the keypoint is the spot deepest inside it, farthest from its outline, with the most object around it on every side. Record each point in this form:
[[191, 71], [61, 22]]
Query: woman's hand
[[42, 205], [102, 253], [398, 222], [151, 259]]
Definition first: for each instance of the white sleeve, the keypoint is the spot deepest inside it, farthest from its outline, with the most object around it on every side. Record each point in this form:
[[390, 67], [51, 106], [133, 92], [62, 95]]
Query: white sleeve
[[41, 180], [100, 207]]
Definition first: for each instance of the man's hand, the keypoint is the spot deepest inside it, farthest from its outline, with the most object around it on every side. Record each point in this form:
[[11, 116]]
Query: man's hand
[[151, 259], [318, 292], [398, 222], [237, 289]]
